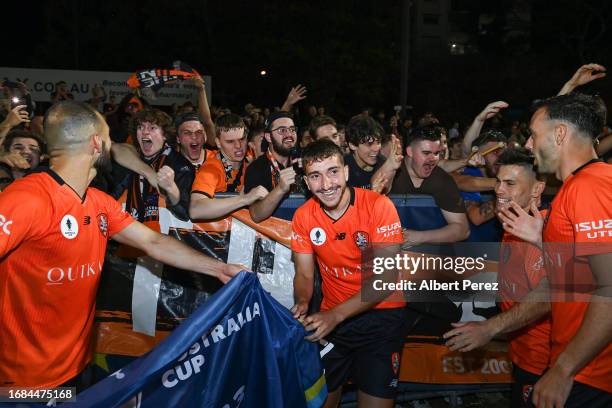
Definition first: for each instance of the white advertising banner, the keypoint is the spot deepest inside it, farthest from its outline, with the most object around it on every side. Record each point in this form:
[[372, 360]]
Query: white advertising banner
[[41, 82]]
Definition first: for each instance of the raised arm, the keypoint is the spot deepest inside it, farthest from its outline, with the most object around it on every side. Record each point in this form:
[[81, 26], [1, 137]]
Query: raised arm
[[126, 155], [583, 75], [296, 94], [204, 111], [472, 133], [15, 117], [383, 177]]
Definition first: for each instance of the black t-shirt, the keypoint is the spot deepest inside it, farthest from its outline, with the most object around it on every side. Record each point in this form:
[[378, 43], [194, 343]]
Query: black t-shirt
[[6, 175], [439, 184], [358, 177], [184, 174], [259, 173]]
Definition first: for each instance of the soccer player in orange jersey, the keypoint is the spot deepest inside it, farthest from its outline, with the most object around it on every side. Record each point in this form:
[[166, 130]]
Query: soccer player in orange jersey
[[53, 235], [521, 268], [333, 228], [577, 239]]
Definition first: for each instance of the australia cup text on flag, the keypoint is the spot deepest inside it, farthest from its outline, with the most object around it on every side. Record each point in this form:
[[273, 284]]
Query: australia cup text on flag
[[241, 348]]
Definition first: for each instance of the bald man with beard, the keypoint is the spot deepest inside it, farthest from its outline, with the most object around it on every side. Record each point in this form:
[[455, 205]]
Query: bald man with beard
[[53, 234]]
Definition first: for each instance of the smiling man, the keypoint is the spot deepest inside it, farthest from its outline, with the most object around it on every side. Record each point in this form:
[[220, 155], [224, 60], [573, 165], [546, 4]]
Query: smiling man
[[273, 170], [365, 138], [25, 144], [577, 241], [333, 228], [562, 132], [521, 268], [365, 162], [420, 174]]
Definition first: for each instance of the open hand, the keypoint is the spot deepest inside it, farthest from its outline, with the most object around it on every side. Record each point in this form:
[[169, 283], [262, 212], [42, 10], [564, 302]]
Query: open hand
[[519, 223], [491, 110], [468, 336], [296, 94]]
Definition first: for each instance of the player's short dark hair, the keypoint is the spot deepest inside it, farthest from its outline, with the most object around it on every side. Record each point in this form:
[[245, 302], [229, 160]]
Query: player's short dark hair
[[363, 130], [426, 132], [65, 121], [320, 121], [320, 150], [14, 134], [519, 156], [585, 112], [228, 122]]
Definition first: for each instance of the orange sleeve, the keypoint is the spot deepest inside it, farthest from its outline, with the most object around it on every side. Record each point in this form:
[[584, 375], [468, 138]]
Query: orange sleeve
[[22, 215], [591, 216], [300, 237], [206, 180], [118, 218], [386, 226]]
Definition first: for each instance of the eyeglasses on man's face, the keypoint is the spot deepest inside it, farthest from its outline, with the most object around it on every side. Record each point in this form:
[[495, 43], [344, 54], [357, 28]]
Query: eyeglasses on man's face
[[285, 130]]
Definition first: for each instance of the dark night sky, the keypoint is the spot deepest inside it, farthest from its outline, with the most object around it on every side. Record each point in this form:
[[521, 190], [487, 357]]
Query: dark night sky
[[346, 52]]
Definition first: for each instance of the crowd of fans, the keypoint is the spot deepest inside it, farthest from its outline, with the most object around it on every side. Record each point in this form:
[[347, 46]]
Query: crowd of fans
[[188, 153], [183, 158]]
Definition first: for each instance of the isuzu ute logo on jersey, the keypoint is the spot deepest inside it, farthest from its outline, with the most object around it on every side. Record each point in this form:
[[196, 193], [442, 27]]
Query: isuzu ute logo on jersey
[[4, 224], [595, 229], [59, 275], [69, 226], [390, 230], [317, 236]]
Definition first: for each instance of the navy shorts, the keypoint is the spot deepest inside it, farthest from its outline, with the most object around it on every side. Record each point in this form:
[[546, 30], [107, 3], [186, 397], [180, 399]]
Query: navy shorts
[[367, 350]]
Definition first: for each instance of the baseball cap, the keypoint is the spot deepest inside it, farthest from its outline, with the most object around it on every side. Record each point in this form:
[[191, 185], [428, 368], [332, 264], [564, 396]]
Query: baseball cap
[[187, 117], [276, 115]]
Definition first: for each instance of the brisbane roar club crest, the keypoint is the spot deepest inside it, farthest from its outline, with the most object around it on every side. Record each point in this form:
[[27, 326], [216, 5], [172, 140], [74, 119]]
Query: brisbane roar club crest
[[103, 224], [318, 236], [527, 390], [362, 239], [395, 362]]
